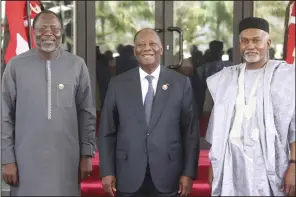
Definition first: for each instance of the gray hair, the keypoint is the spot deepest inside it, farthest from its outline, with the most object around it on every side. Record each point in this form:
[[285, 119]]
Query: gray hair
[[265, 35]]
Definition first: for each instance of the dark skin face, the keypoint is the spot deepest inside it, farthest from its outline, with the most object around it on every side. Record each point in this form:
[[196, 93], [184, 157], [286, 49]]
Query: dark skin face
[[48, 35], [254, 46], [148, 50]]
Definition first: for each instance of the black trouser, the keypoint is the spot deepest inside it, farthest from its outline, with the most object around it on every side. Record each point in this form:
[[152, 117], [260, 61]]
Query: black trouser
[[147, 189]]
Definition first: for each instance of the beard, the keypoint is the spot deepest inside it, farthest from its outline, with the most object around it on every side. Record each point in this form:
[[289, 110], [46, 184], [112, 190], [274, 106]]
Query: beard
[[47, 46], [253, 58]]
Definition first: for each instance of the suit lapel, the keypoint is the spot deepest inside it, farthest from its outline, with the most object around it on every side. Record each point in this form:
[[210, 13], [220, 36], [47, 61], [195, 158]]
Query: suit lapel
[[135, 95], [161, 96]]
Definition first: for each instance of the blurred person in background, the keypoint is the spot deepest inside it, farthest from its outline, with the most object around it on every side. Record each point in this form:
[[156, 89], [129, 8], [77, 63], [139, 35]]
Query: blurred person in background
[[127, 60]]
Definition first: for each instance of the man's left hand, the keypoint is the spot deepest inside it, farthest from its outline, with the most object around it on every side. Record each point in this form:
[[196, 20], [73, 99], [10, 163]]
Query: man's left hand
[[85, 167], [185, 186], [288, 185]]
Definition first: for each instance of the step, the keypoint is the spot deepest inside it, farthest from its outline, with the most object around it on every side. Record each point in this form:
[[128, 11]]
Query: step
[[95, 188], [200, 188], [203, 167]]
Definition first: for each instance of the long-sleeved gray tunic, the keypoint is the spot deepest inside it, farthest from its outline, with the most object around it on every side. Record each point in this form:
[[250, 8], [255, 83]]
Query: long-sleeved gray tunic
[[48, 122]]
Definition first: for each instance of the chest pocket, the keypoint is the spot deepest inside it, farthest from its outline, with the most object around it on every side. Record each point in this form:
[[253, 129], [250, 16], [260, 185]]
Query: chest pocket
[[64, 94]]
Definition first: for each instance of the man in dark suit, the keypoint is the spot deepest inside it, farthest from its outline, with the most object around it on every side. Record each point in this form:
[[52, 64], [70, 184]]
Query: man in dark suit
[[149, 136]]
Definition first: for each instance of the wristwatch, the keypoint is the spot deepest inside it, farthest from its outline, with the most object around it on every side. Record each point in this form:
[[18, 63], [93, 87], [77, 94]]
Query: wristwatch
[[91, 155]]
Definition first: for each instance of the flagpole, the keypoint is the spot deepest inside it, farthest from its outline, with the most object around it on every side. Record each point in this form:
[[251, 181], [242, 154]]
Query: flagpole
[[1, 49], [29, 23]]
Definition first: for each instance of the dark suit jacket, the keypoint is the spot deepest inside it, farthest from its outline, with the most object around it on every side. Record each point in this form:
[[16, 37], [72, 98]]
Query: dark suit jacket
[[170, 144]]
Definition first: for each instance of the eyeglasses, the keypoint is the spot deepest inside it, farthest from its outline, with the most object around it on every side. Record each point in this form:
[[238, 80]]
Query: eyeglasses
[[43, 29]]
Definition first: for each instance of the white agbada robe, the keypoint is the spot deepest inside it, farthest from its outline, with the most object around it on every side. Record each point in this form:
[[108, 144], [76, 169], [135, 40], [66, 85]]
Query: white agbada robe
[[249, 152]]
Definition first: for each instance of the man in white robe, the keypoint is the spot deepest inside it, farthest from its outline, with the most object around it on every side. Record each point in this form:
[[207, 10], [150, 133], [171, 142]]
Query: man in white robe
[[252, 124]]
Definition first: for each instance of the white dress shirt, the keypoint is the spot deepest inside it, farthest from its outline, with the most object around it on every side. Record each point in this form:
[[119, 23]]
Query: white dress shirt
[[145, 83]]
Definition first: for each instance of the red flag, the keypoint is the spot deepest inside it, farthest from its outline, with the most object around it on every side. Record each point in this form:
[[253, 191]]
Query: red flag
[[16, 14], [290, 58]]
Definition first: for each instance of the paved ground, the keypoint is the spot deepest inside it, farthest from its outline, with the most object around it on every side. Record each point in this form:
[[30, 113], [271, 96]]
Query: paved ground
[[5, 192], [5, 189]]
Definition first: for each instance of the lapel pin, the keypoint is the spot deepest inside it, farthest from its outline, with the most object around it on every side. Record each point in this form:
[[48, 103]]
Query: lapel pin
[[61, 86], [165, 86]]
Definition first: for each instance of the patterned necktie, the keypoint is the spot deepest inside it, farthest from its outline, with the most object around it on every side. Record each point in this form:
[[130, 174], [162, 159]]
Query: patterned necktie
[[149, 99]]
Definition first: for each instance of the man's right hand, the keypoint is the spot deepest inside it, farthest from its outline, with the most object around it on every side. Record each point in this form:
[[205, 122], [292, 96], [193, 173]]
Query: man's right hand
[[10, 174], [109, 184], [210, 176]]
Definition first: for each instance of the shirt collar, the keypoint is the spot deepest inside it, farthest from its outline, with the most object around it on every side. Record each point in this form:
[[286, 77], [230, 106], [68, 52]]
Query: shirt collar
[[155, 74]]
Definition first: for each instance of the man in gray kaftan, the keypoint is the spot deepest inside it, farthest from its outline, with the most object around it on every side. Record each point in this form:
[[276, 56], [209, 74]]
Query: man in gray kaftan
[[252, 125], [48, 113]]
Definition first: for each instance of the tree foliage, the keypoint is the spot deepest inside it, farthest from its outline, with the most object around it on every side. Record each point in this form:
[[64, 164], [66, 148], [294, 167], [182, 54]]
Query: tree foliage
[[118, 21], [201, 21]]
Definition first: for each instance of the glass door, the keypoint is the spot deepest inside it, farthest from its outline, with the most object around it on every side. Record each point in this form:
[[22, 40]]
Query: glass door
[[199, 40], [116, 23], [192, 33], [200, 22]]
